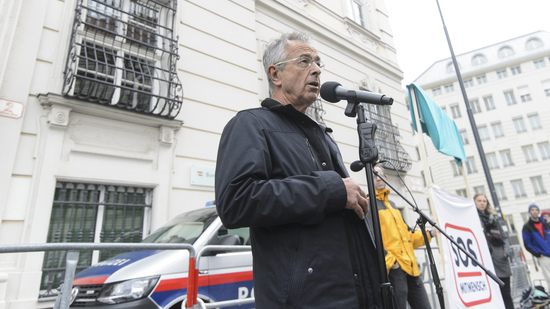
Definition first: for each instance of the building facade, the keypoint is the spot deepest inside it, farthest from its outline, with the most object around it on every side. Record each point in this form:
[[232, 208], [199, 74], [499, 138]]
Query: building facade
[[508, 89], [111, 113]]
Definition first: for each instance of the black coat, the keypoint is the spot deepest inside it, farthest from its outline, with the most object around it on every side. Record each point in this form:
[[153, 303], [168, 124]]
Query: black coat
[[280, 174]]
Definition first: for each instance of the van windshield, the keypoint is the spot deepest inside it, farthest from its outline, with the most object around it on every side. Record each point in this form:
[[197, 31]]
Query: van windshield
[[185, 228]]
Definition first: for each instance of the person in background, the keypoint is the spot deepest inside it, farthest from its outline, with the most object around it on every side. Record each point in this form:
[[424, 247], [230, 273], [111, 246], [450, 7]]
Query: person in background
[[400, 242], [536, 239], [499, 245], [546, 215], [281, 174]]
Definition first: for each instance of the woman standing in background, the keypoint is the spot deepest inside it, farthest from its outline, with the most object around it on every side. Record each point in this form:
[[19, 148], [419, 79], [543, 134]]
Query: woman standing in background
[[499, 245]]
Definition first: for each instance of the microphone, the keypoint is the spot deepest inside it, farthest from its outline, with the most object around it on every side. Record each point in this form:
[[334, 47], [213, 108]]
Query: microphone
[[334, 92], [356, 166]]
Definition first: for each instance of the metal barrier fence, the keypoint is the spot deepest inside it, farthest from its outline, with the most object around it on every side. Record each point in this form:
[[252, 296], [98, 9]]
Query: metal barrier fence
[[64, 297]]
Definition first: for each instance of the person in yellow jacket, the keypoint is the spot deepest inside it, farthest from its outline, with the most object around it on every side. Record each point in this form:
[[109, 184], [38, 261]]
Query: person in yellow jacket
[[399, 244]]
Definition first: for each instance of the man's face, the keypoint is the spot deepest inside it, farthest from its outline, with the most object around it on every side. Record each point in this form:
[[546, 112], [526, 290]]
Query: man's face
[[534, 212], [379, 184], [294, 84]]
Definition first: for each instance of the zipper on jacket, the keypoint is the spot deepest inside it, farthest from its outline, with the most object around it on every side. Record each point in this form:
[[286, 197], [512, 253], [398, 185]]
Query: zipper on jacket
[[315, 163]]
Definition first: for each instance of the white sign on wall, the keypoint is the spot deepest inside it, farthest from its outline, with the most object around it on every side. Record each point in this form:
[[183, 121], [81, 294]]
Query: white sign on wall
[[467, 284], [11, 109], [203, 175]]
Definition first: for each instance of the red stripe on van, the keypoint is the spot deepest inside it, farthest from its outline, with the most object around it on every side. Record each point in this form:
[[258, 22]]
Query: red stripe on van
[[181, 283], [90, 280]]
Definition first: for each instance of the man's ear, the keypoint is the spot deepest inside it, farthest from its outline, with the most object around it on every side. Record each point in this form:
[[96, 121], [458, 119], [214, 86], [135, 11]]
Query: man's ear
[[274, 74]]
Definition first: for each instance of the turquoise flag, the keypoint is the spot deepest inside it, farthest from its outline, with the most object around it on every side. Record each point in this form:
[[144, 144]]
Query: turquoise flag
[[437, 125]]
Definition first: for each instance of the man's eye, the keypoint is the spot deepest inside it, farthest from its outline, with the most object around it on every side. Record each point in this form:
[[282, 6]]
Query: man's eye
[[304, 61]]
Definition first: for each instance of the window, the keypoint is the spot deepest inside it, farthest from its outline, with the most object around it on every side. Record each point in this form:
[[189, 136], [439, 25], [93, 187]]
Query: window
[[538, 185], [468, 83], [437, 91], [450, 67], [534, 121], [478, 59], [482, 79], [461, 192], [502, 74], [524, 94], [449, 88], [489, 102], [499, 188], [455, 110], [505, 52], [506, 158], [357, 12], [515, 70], [519, 191], [510, 98], [544, 149], [497, 129], [519, 124], [492, 162], [123, 53], [533, 43], [464, 136], [471, 165], [457, 170], [539, 64], [546, 87], [474, 106], [529, 153], [92, 213], [479, 190], [483, 133]]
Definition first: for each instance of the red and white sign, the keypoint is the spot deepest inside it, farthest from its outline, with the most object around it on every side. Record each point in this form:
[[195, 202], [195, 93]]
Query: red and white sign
[[467, 284], [11, 109]]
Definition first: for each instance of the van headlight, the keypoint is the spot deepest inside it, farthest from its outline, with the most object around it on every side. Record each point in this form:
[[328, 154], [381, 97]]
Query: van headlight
[[120, 292]]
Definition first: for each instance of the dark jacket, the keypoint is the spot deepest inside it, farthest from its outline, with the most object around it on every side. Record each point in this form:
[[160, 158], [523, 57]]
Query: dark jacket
[[533, 240], [279, 173], [498, 243]]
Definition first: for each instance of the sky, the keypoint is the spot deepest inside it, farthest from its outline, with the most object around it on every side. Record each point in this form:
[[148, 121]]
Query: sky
[[420, 39]]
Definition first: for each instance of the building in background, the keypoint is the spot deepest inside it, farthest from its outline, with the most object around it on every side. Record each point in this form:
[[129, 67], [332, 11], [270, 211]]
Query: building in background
[[508, 89], [111, 113]]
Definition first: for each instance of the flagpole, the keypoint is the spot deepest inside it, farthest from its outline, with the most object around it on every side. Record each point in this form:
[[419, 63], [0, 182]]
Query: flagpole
[[488, 177], [468, 193], [424, 157]]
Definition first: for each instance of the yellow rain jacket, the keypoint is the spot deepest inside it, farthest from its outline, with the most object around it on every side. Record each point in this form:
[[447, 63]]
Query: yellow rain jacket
[[399, 240]]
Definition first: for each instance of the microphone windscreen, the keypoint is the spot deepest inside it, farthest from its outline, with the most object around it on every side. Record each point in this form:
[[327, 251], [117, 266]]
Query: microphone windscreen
[[328, 91]]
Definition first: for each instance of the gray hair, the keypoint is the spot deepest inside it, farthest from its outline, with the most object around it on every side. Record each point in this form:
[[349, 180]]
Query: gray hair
[[275, 51]]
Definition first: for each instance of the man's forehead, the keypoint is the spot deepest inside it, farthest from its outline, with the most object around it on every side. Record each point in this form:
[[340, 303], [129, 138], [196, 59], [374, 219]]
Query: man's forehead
[[299, 48]]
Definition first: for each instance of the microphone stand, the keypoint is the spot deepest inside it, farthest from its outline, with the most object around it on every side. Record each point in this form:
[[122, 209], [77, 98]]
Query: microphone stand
[[421, 221], [368, 155]]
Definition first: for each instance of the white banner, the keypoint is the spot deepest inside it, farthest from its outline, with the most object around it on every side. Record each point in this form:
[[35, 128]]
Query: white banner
[[468, 286]]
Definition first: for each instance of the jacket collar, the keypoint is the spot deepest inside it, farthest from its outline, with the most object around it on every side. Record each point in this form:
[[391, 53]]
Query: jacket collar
[[382, 194]]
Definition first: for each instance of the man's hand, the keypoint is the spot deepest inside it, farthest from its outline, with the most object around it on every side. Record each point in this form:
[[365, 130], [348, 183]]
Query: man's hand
[[357, 199], [396, 265]]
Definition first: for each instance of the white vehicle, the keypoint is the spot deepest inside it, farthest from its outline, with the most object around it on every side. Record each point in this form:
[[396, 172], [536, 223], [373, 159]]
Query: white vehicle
[[151, 279]]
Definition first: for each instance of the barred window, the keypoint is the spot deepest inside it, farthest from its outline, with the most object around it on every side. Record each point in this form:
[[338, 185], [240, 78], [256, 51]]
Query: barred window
[[387, 138], [123, 53], [92, 213]]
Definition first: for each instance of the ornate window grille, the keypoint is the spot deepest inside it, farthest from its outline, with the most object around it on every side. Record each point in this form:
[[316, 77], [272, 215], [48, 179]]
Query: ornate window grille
[[316, 111], [123, 53], [387, 139], [92, 213]]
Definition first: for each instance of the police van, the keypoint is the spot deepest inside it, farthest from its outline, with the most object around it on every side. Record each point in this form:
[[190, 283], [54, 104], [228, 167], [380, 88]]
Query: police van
[[152, 279]]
